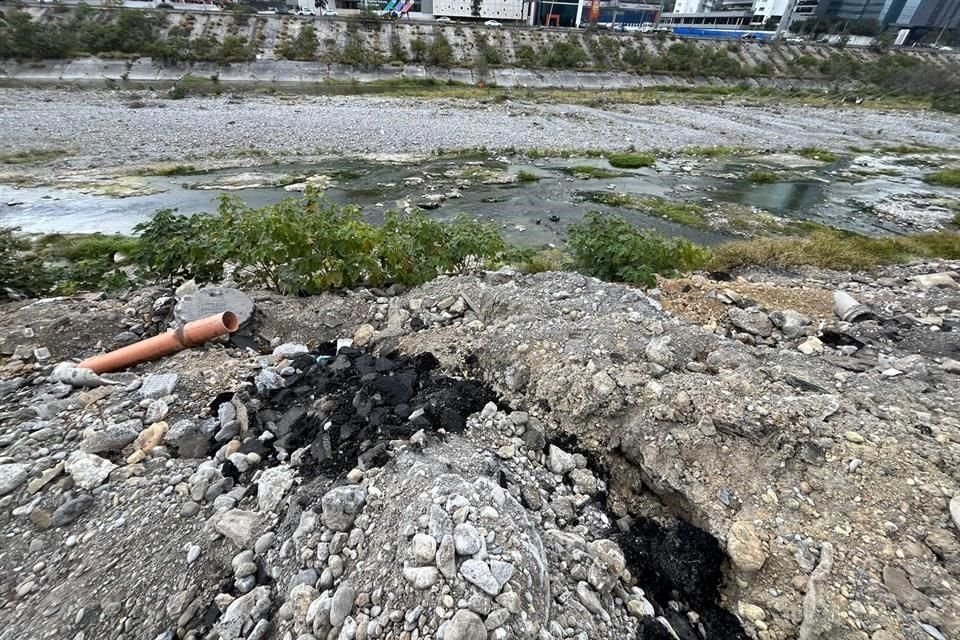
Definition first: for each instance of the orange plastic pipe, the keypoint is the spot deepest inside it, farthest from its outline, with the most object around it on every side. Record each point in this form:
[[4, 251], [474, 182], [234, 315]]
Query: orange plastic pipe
[[191, 334]]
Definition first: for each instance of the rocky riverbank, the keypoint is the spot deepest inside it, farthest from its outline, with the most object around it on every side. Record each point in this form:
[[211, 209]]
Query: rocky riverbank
[[497, 456], [94, 130]]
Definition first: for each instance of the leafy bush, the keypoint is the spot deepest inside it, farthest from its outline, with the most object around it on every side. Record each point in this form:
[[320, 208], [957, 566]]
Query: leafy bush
[[631, 160], [486, 52], [178, 247], [357, 53], [565, 54], [309, 245], [440, 53], [527, 57], [610, 248], [303, 47], [527, 176], [20, 269], [62, 264], [945, 177], [419, 48], [127, 32], [946, 102]]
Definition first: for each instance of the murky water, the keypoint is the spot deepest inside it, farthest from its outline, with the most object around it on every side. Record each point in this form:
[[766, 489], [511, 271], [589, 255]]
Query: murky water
[[534, 213]]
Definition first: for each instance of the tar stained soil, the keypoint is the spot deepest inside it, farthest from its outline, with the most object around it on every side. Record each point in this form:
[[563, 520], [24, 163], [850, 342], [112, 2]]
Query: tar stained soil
[[346, 406]]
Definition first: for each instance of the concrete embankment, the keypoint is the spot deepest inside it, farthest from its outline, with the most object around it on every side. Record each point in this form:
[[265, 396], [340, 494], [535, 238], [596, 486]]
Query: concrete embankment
[[313, 76]]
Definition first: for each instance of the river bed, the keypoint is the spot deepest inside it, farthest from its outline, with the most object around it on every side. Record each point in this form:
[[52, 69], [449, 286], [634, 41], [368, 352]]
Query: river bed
[[534, 201]]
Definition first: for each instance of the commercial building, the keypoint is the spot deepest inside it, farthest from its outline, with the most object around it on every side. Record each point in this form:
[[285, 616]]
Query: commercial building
[[732, 14], [930, 14], [489, 9]]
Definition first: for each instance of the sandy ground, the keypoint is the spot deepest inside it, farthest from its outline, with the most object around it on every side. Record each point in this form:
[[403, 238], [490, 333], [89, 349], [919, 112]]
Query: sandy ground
[[101, 129]]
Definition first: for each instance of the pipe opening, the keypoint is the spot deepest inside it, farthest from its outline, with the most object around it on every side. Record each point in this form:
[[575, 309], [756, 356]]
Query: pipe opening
[[230, 321]]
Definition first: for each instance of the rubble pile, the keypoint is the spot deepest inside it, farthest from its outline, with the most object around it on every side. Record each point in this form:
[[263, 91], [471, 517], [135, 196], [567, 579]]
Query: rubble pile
[[499, 456]]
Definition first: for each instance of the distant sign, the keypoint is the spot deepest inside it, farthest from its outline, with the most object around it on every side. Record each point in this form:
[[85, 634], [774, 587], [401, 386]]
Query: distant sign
[[901, 37]]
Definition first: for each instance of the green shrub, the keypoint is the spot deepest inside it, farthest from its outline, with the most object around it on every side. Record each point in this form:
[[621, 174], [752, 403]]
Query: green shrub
[[946, 102], [486, 52], [440, 53], [610, 248], [303, 47], [945, 177], [419, 48], [63, 264], [565, 54], [527, 176], [631, 160], [308, 245], [527, 57], [20, 269]]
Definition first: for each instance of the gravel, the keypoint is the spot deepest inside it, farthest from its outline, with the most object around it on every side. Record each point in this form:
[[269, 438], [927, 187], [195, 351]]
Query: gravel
[[100, 130]]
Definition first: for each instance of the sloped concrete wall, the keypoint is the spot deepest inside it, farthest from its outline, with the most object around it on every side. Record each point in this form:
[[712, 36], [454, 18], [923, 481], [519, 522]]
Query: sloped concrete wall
[[307, 76]]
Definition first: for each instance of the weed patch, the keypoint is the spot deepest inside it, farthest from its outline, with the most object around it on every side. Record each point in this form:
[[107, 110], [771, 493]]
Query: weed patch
[[945, 177], [587, 171], [32, 156], [816, 153], [631, 160], [830, 249]]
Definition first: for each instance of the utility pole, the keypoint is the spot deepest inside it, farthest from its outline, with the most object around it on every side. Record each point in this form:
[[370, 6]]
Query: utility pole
[[659, 13]]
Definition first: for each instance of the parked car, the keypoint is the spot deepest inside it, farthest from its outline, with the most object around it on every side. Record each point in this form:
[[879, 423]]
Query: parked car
[[306, 12], [267, 12], [444, 19], [492, 23], [330, 13]]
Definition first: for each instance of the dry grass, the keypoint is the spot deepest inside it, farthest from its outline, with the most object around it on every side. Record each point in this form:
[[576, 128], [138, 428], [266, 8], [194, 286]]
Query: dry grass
[[835, 250]]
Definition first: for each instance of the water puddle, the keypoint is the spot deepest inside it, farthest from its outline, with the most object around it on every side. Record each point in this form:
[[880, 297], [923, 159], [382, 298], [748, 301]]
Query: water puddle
[[534, 201]]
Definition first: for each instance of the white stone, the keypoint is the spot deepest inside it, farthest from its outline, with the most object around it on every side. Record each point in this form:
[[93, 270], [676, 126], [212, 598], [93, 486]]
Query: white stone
[[88, 470], [559, 461]]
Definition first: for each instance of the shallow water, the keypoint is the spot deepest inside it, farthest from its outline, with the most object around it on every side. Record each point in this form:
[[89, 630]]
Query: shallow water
[[814, 194]]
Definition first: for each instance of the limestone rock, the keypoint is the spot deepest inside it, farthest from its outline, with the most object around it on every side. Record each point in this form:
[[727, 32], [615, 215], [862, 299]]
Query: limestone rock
[[342, 505], [465, 625], [899, 585], [477, 572], [87, 470], [273, 484], [753, 322], [243, 613], [12, 476], [466, 539], [421, 577], [745, 547], [559, 461], [424, 549], [113, 438], [242, 527]]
